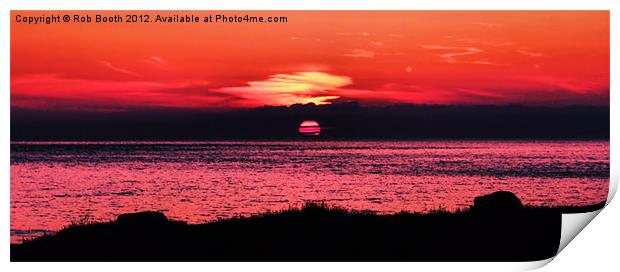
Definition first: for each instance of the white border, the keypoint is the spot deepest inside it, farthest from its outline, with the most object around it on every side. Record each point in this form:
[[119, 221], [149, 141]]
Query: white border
[[7, 5]]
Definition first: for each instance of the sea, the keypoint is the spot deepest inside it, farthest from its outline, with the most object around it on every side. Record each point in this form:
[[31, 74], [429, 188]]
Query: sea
[[55, 184]]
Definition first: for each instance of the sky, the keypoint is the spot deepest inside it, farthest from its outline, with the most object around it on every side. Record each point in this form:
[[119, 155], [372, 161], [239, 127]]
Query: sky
[[549, 58]]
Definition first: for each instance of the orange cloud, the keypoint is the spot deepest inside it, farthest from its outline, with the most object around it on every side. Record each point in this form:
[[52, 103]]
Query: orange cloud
[[360, 53], [116, 69], [287, 89], [56, 91], [450, 57]]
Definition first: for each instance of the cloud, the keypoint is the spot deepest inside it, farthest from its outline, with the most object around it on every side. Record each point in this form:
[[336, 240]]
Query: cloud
[[307, 67], [393, 54], [418, 94], [528, 91], [571, 85], [116, 69], [482, 62], [155, 60], [468, 50], [58, 92], [478, 93], [474, 41], [486, 24], [465, 40], [497, 43], [359, 53], [525, 51], [353, 34], [450, 57], [287, 89]]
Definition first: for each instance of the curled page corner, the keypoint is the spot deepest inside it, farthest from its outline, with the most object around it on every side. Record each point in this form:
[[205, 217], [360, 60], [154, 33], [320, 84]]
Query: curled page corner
[[613, 187], [574, 223], [529, 266]]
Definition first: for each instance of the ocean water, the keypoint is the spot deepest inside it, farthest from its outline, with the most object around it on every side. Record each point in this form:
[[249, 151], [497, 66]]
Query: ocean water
[[56, 183]]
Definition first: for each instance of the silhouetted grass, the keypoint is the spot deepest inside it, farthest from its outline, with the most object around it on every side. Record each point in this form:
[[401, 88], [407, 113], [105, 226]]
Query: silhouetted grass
[[313, 232]]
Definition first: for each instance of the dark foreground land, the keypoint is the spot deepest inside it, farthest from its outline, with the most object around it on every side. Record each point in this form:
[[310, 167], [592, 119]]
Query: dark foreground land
[[497, 228]]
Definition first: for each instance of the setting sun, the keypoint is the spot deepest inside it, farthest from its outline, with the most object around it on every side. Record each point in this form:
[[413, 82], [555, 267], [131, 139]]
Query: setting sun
[[310, 128]]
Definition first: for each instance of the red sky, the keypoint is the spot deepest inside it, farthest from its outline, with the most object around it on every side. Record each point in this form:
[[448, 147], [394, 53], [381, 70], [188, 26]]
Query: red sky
[[375, 58]]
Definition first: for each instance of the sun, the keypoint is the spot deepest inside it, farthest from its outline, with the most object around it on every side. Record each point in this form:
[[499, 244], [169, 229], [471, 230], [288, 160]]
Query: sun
[[310, 128]]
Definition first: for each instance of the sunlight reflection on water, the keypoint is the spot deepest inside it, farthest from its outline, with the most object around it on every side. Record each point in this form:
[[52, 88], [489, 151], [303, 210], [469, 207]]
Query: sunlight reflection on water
[[54, 184]]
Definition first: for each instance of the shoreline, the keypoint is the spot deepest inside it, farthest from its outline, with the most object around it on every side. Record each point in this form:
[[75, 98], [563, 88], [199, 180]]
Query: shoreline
[[496, 231], [561, 209]]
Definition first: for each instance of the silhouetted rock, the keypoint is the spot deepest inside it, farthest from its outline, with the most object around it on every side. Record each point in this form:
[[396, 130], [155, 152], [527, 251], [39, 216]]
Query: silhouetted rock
[[500, 201], [142, 218]]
